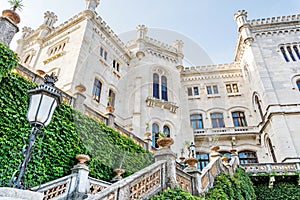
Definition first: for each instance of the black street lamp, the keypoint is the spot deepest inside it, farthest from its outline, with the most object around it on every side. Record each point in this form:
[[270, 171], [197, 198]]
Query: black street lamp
[[43, 101], [192, 150]]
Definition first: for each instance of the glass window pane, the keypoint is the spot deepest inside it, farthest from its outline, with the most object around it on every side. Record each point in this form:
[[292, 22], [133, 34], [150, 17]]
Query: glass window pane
[[196, 92], [215, 88]]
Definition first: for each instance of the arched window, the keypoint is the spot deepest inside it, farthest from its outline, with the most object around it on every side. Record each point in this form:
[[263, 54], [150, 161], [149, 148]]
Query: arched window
[[27, 59], [155, 135], [239, 119], [111, 98], [97, 90], [166, 130], [298, 84], [271, 149], [257, 102], [247, 157], [217, 120], [196, 121], [156, 86], [164, 88], [203, 160]]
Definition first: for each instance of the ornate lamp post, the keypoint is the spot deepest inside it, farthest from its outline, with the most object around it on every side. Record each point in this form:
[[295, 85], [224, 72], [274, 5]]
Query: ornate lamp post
[[43, 101], [191, 160]]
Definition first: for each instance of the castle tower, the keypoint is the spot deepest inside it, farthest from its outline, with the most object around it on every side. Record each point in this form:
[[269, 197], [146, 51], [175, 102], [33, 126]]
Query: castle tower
[[141, 31]]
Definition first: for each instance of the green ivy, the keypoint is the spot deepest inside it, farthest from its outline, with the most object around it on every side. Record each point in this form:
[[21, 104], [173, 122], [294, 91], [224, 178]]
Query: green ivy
[[236, 187], [176, 193], [8, 61], [70, 133], [285, 187]]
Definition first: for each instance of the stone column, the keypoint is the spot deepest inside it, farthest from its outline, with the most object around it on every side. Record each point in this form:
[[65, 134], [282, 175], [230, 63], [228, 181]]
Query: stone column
[[7, 193], [7, 30], [170, 157], [80, 184]]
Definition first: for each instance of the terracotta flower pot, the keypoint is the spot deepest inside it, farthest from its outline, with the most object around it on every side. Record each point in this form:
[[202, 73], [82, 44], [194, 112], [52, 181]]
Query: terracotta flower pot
[[82, 158], [119, 172], [165, 142], [191, 162], [12, 15], [80, 88], [109, 109]]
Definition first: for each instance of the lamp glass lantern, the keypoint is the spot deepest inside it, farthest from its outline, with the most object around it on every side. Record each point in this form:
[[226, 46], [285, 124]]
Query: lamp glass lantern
[[193, 150]]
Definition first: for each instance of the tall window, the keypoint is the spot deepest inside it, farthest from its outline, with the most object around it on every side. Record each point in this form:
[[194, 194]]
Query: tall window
[[196, 121], [97, 90], [248, 157], [103, 53], [239, 119], [203, 160], [217, 120], [291, 53], [166, 130], [155, 135], [156, 86], [257, 102], [111, 98], [298, 84], [284, 54], [164, 88]]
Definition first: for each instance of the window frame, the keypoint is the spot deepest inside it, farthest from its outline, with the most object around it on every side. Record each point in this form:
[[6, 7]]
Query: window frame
[[240, 119], [219, 121], [97, 90], [248, 159], [202, 161], [198, 122]]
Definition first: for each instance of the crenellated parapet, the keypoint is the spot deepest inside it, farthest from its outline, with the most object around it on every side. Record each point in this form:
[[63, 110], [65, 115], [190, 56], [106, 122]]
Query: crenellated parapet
[[275, 20]]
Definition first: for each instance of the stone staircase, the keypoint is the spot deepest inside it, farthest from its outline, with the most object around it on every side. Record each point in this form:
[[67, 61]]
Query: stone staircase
[[163, 173]]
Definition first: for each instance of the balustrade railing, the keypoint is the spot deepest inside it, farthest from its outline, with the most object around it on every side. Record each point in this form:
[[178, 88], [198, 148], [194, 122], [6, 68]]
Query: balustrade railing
[[184, 180], [271, 167], [227, 130], [140, 185]]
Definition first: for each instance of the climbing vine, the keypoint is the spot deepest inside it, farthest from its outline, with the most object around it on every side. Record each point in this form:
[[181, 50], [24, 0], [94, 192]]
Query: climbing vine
[[70, 133], [176, 193]]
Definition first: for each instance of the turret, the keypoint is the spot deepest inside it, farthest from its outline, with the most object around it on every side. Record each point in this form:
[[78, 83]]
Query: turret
[[92, 4], [49, 19], [240, 17], [141, 31]]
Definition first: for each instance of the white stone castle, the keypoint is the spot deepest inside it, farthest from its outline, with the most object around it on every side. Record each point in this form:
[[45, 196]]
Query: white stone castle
[[251, 105]]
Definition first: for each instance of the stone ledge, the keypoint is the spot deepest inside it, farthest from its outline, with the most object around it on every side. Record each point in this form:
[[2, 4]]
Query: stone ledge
[[7, 193]]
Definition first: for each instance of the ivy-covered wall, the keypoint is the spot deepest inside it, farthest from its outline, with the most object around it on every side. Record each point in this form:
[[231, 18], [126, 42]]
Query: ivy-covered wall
[[70, 133], [176, 193], [284, 187]]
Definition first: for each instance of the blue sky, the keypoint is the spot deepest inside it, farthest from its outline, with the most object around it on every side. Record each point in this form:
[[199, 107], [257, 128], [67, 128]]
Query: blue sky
[[209, 23]]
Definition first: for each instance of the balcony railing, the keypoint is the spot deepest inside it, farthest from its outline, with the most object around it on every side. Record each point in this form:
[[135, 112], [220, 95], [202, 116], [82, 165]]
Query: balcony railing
[[228, 130], [272, 168]]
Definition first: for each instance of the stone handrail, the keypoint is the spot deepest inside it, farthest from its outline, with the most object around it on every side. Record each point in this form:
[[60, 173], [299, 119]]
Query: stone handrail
[[96, 185], [271, 167], [227, 130], [140, 185], [184, 180], [57, 188]]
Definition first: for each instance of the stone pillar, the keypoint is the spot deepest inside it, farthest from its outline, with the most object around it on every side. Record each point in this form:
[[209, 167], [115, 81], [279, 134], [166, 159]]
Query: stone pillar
[[7, 193], [111, 119], [7, 30], [170, 157], [79, 100], [80, 184], [196, 181]]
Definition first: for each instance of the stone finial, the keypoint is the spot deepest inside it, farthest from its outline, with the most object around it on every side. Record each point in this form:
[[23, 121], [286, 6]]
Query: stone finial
[[92, 4], [26, 31], [49, 19], [141, 31], [240, 17]]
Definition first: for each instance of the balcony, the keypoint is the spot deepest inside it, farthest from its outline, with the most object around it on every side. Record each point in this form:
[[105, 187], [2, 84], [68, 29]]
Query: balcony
[[171, 106], [226, 131], [275, 168]]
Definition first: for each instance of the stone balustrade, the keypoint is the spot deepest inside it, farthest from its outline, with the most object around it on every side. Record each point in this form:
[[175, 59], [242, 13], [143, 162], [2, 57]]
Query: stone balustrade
[[279, 168], [227, 130], [140, 185]]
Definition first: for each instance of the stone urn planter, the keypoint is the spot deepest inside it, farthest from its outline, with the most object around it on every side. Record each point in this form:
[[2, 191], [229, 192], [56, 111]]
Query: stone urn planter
[[165, 142], [109, 109], [225, 158], [80, 88], [147, 136], [215, 148], [119, 173], [191, 162], [233, 152], [12, 15], [82, 158]]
